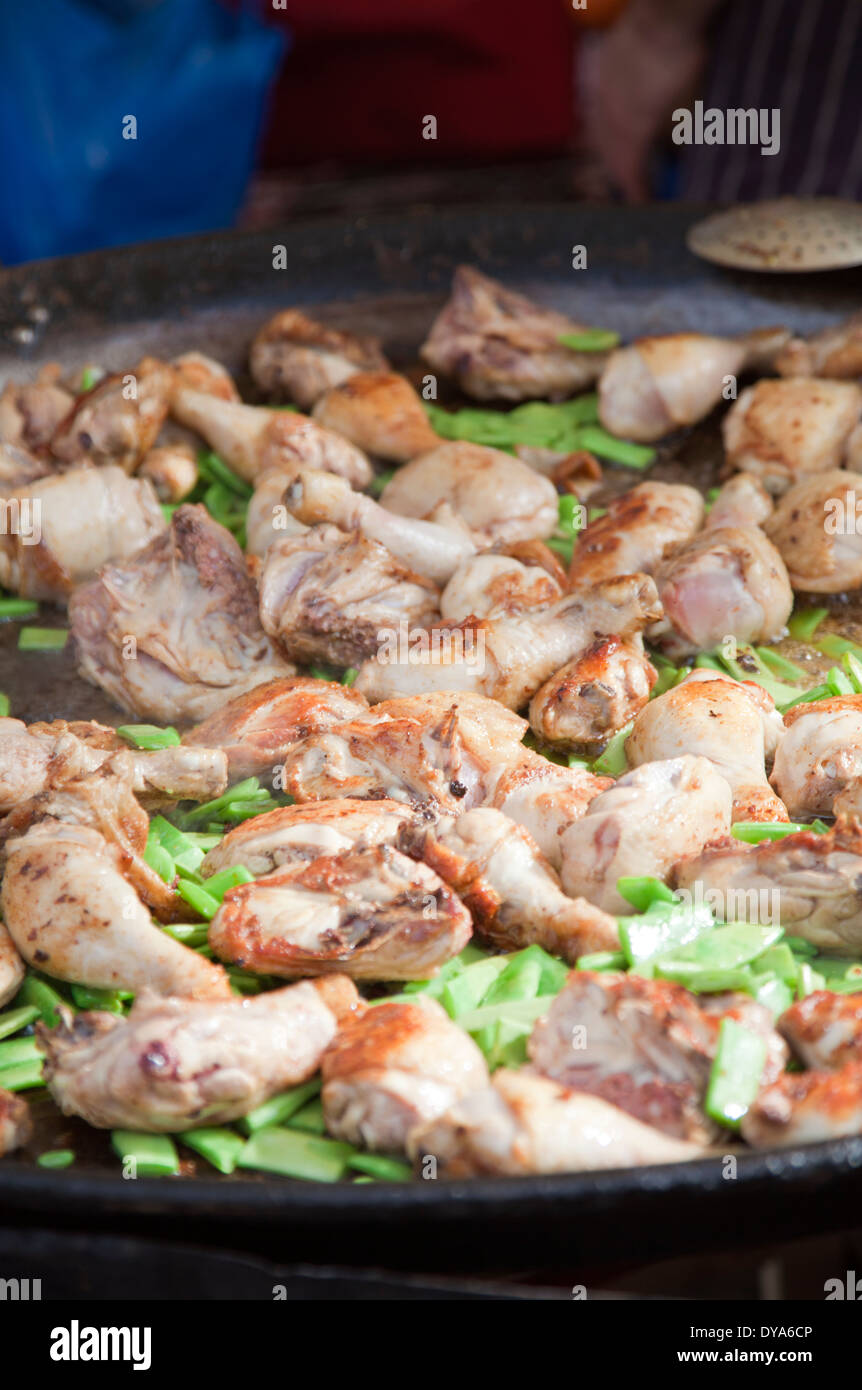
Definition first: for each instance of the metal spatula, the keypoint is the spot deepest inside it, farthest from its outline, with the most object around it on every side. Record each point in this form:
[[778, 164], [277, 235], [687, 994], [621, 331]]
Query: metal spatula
[[794, 234]]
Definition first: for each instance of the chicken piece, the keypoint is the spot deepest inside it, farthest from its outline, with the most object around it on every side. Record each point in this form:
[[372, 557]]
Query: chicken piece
[[23, 763], [806, 1107], [544, 798], [380, 413], [298, 834], [651, 817], [173, 632], [497, 586], [783, 431], [501, 499], [835, 351], [178, 1064], [657, 385], [816, 530], [639, 529], [523, 1123], [500, 345], [172, 469], [71, 913], [820, 754], [824, 1029], [82, 519], [432, 749], [12, 969], [394, 1067], [268, 518], [257, 729], [195, 371], [593, 696], [31, 411], [166, 775], [252, 438], [372, 913], [19, 469], [513, 894], [741, 501], [332, 595], [295, 358], [576, 471], [117, 421], [732, 723], [808, 882], [16, 1127], [848, 803], [508, 659], [730, 581]]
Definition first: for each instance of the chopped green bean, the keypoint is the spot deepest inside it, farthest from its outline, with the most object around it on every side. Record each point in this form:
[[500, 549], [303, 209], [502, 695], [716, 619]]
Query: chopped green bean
[[381, 1167], [56, 1158], [150, 1155], [13, 1020], [804, 624], [278, 1109], [735, 1076], [17, 608], [590, 340], [296, 1155], [220, 1147], [149, 736], [42, 639]]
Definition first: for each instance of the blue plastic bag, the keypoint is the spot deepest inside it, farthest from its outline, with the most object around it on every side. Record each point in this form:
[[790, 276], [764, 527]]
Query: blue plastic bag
[[124, 120]]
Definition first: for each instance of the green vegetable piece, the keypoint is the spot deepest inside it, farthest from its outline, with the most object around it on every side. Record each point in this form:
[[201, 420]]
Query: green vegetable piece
[[18, 1050], [220, 1147], [838, 682], [42, 639], [5, 705], [109, 1001], [159, 860], [296, 1155], [219, 884], [591, 340], [521, 1011], [465, 991], [602, 960], [149, 736], [735, 1076], [753, 831], [278, 1109], [381, 1167], [613, 761], [42, 997], [853, 667], [712, 960], [642, 892], [22, 1076], [773, 993], [804, 624], [146, 1155], [781, 665], [598, 441], [17, 608], [56, 1158], [662, 928], [808, 980], [13, 1020], [198, 898], [309, 1118]]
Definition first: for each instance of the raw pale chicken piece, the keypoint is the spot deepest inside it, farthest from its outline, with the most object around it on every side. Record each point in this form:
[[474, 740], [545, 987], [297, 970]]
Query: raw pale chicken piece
[[372, 913], [817, 531], [268, 518], [394, 1067], [500, 498], [436, 748], [295, 358], [836, 351], [71, 913], [657, 385], [523, 1123], [83, 518], [652, 816], [297, 834], [808, 882], [118, 420], [782, 431], [16, 1126], [257, 729], [732, 723], [380, 413], [806, 1107], [332, 595], [730, 581], [820, 754], [172, 469], [513, 894], [174, 631], [178, 1064], [508, 659], [594, 696], [12, 969], [500, 345], [544, 797], [741, 501], [639, 529], [252, 438], [497, 586], [31, 411], [824, 1029]]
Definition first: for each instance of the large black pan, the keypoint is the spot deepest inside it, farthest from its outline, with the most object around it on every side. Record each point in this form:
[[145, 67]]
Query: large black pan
[[388, 276]]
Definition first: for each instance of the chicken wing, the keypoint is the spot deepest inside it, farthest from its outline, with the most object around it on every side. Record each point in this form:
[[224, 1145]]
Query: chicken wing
[[297, 834], [295, 358], [815, 528], [783, 431], [593, 696], [118, 420], [820, 754], [835, 351], [804, 1107], [498, 586], [544, 797], [380, 413], [639, 529], [172, 469], [268, 518], [824, 1029], [741, 501]]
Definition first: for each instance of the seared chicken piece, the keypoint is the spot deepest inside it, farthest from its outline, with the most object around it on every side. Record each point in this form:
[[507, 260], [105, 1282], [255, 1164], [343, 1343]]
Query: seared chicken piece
[[268, 518], [500, 498], [393, 1067], [652, 816], [12, 970], [257, 729], [741, 501], [732, 723], [31, 411], [500, 345], [820, 754], [824, 1029], [431, 548], [836, 351], [639, 529], [782, 431], [544, 797], [332, 595], [197, 372], [297, 834], [172, 469], [19, 470], [118, 420], [810, 881], [71, 913], [816, 530], [508, 659], [592, 697], [174, 631], [380, 413], [513, 894], [177, 1064], [730, 581], [16, 1126], [657, 385], [252, 438], [295, 358], [24, 763], [523, 1123], [497, 586], [372, 913], [438, 748], [806, 1107], [86, 517]]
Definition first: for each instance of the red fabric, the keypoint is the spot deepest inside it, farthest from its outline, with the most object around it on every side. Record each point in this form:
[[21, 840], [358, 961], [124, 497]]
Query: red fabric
[[362, 74]]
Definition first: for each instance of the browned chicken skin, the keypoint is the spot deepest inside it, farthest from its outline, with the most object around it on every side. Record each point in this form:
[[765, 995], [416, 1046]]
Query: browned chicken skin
[[639, 529], [117, 421], [824, 1029], [783, 431], [295, 358], [594, 696], [815, 528], [835, 351], [30, 412], [805, 1107], [299, 834], [16, 1126], [380, 413]]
